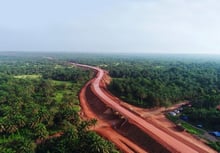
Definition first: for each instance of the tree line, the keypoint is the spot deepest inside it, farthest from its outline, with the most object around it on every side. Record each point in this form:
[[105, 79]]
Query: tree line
[[161, 83]]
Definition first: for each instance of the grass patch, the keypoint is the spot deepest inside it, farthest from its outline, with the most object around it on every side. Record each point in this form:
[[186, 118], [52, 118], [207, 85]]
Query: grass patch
[[33, 76], [58, 66], [66, 91], [187, 126], [191, 129], [158, 67], [58, 96], [63, 88], [66, 83], [76, 108]]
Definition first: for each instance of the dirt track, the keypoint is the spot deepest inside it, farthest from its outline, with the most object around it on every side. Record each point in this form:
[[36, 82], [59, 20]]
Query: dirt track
[[92, 93]]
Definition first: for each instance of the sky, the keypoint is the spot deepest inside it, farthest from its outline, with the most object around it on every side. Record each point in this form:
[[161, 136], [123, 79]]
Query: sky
[[134, 26]]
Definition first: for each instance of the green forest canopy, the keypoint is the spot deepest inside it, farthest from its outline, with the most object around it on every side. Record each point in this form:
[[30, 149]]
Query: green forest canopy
[[38, 98]]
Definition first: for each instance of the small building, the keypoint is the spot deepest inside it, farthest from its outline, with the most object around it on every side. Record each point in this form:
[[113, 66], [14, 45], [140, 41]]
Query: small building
[[215, 133], [199, 125], [185, 118], [172, 113], [177, 111]]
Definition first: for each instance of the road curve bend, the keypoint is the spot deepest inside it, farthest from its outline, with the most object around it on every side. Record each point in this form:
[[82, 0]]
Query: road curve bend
[[168, 141]]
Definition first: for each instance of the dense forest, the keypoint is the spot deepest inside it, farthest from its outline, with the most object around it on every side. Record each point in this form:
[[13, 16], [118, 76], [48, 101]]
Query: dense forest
[[39, 107], [152, 84]]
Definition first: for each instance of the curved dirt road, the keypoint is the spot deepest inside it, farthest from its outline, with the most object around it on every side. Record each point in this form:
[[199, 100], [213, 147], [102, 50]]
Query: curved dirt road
[[169, 141]]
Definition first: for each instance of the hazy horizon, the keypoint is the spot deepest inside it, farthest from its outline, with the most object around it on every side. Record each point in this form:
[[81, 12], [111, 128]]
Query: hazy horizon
[[126, 26]]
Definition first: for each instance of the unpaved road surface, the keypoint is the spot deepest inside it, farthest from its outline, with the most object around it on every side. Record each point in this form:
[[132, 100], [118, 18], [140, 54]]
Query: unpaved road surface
[[103, 127], [168, 139]]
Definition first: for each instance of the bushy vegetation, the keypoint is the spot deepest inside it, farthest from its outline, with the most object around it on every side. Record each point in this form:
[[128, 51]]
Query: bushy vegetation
[[77, 139], [208, 118], [38, 99], [215, 145]]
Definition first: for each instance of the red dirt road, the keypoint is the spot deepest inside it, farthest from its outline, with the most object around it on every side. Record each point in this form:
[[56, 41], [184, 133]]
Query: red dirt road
[[158, 133], [105, 129]]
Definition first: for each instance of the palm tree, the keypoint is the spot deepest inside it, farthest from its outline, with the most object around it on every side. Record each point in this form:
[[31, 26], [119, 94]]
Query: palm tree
[[2, 126], [7, 150], [83, 126], [26, 146], [96, 144], [41, 131], [11, 128], [19, 120], [43, 114]]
